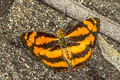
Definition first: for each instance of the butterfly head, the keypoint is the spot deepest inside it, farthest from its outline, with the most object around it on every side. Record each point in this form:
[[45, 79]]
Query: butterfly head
[[59, 33]]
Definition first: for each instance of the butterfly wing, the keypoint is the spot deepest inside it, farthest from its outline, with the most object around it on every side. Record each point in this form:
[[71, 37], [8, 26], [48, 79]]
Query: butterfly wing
[[45, 46], [84, 34]]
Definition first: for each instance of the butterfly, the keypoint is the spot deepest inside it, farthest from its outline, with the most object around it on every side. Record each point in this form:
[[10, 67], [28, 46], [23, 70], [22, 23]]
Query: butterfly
[[64, 51]]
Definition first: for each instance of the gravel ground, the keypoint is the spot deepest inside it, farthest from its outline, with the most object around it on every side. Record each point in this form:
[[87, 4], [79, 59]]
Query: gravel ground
[[17, 63]]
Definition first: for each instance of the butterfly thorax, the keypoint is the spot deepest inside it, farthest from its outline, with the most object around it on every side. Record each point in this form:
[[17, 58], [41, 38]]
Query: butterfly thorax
[[61, 38], [64, 49]]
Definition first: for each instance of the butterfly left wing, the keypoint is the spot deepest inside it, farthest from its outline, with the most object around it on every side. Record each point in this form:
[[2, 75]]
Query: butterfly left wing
[[45, 47], [84, 34]]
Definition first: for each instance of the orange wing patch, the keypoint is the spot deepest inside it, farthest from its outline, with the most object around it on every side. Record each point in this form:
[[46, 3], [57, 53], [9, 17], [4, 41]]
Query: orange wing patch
[[79, 31], [69, 49], [43, 40], [31, 39]]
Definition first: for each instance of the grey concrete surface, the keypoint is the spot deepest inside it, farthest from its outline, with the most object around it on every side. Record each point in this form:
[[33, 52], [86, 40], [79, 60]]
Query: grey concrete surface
[[17, 63]]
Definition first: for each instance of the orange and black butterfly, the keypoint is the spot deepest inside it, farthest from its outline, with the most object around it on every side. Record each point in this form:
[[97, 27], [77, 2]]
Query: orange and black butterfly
[[64, 51]]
